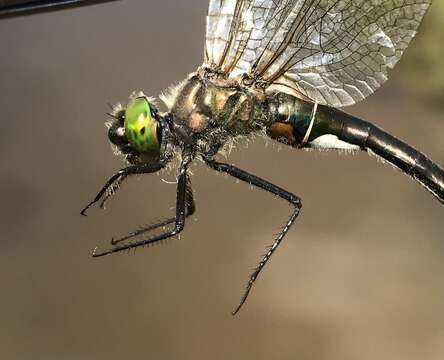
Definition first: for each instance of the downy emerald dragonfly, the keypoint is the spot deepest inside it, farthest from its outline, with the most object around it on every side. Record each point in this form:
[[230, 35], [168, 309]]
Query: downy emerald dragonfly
[[278, 68]]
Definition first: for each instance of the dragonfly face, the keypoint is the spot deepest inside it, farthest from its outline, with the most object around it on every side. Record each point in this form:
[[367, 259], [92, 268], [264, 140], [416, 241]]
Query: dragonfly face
[[139, 132]]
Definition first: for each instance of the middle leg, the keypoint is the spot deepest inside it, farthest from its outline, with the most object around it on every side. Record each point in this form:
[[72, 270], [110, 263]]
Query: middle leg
[[190, 209]]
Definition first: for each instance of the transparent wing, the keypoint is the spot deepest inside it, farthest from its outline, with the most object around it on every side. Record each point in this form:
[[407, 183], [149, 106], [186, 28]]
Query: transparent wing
[[335, 52]]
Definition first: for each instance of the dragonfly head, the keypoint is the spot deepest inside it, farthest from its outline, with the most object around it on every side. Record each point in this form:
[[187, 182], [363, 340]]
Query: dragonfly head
[[139, 131]]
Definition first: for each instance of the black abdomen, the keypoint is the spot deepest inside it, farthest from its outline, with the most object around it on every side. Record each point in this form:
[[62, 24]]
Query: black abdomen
[[289, 118]]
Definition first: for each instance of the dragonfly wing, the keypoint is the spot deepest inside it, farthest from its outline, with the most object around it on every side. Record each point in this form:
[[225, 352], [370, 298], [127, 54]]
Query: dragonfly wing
[[335, 52], [238, 29], [11, 8]]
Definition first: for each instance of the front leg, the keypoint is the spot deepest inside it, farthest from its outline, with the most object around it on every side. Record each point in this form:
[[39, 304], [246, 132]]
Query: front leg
[[118, 178], [294, 200], [179, 219]]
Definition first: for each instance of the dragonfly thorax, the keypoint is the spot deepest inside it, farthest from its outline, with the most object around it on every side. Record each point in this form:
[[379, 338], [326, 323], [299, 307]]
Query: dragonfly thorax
[[212, 110], [207, 108]]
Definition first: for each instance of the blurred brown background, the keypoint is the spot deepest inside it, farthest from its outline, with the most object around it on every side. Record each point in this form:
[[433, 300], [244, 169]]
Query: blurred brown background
[[360, 276]]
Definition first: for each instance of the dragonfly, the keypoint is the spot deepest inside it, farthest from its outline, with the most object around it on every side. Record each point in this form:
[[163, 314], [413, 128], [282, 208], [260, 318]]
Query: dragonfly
[[275, 68]]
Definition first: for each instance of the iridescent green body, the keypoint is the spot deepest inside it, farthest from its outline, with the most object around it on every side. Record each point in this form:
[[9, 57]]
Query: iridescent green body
[[203, 105], [206, 107]]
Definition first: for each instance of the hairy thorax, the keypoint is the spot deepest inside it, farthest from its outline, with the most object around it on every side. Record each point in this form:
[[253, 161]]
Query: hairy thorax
[[203, 105]]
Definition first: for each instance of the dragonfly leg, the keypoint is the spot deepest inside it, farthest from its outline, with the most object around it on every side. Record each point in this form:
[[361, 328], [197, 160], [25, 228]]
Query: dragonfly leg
[[190, 208], [117, 179], [294, 200], [179, 219], [111, 191]]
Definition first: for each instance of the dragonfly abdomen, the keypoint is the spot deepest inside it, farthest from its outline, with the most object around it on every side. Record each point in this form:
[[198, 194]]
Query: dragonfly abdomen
[[374, 140], [289, 118], [299, 123]]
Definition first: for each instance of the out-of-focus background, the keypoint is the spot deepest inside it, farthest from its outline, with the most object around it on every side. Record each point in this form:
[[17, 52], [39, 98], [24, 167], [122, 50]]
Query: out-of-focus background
[[360, 276]]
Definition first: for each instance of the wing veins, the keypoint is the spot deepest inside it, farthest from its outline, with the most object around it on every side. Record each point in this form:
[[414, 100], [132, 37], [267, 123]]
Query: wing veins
[[335, 52]]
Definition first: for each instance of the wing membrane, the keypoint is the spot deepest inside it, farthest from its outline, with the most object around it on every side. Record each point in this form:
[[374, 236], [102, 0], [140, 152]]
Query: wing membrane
[[335, 52]]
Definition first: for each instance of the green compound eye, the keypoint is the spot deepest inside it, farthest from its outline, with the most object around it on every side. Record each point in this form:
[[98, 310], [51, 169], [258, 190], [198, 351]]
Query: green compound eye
[[140, 126]]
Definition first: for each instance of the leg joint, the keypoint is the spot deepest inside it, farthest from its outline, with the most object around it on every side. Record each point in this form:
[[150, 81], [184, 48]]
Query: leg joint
[[296, 201]]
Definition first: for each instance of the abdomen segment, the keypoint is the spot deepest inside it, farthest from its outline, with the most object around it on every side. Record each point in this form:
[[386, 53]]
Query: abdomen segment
[[294, 122]]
